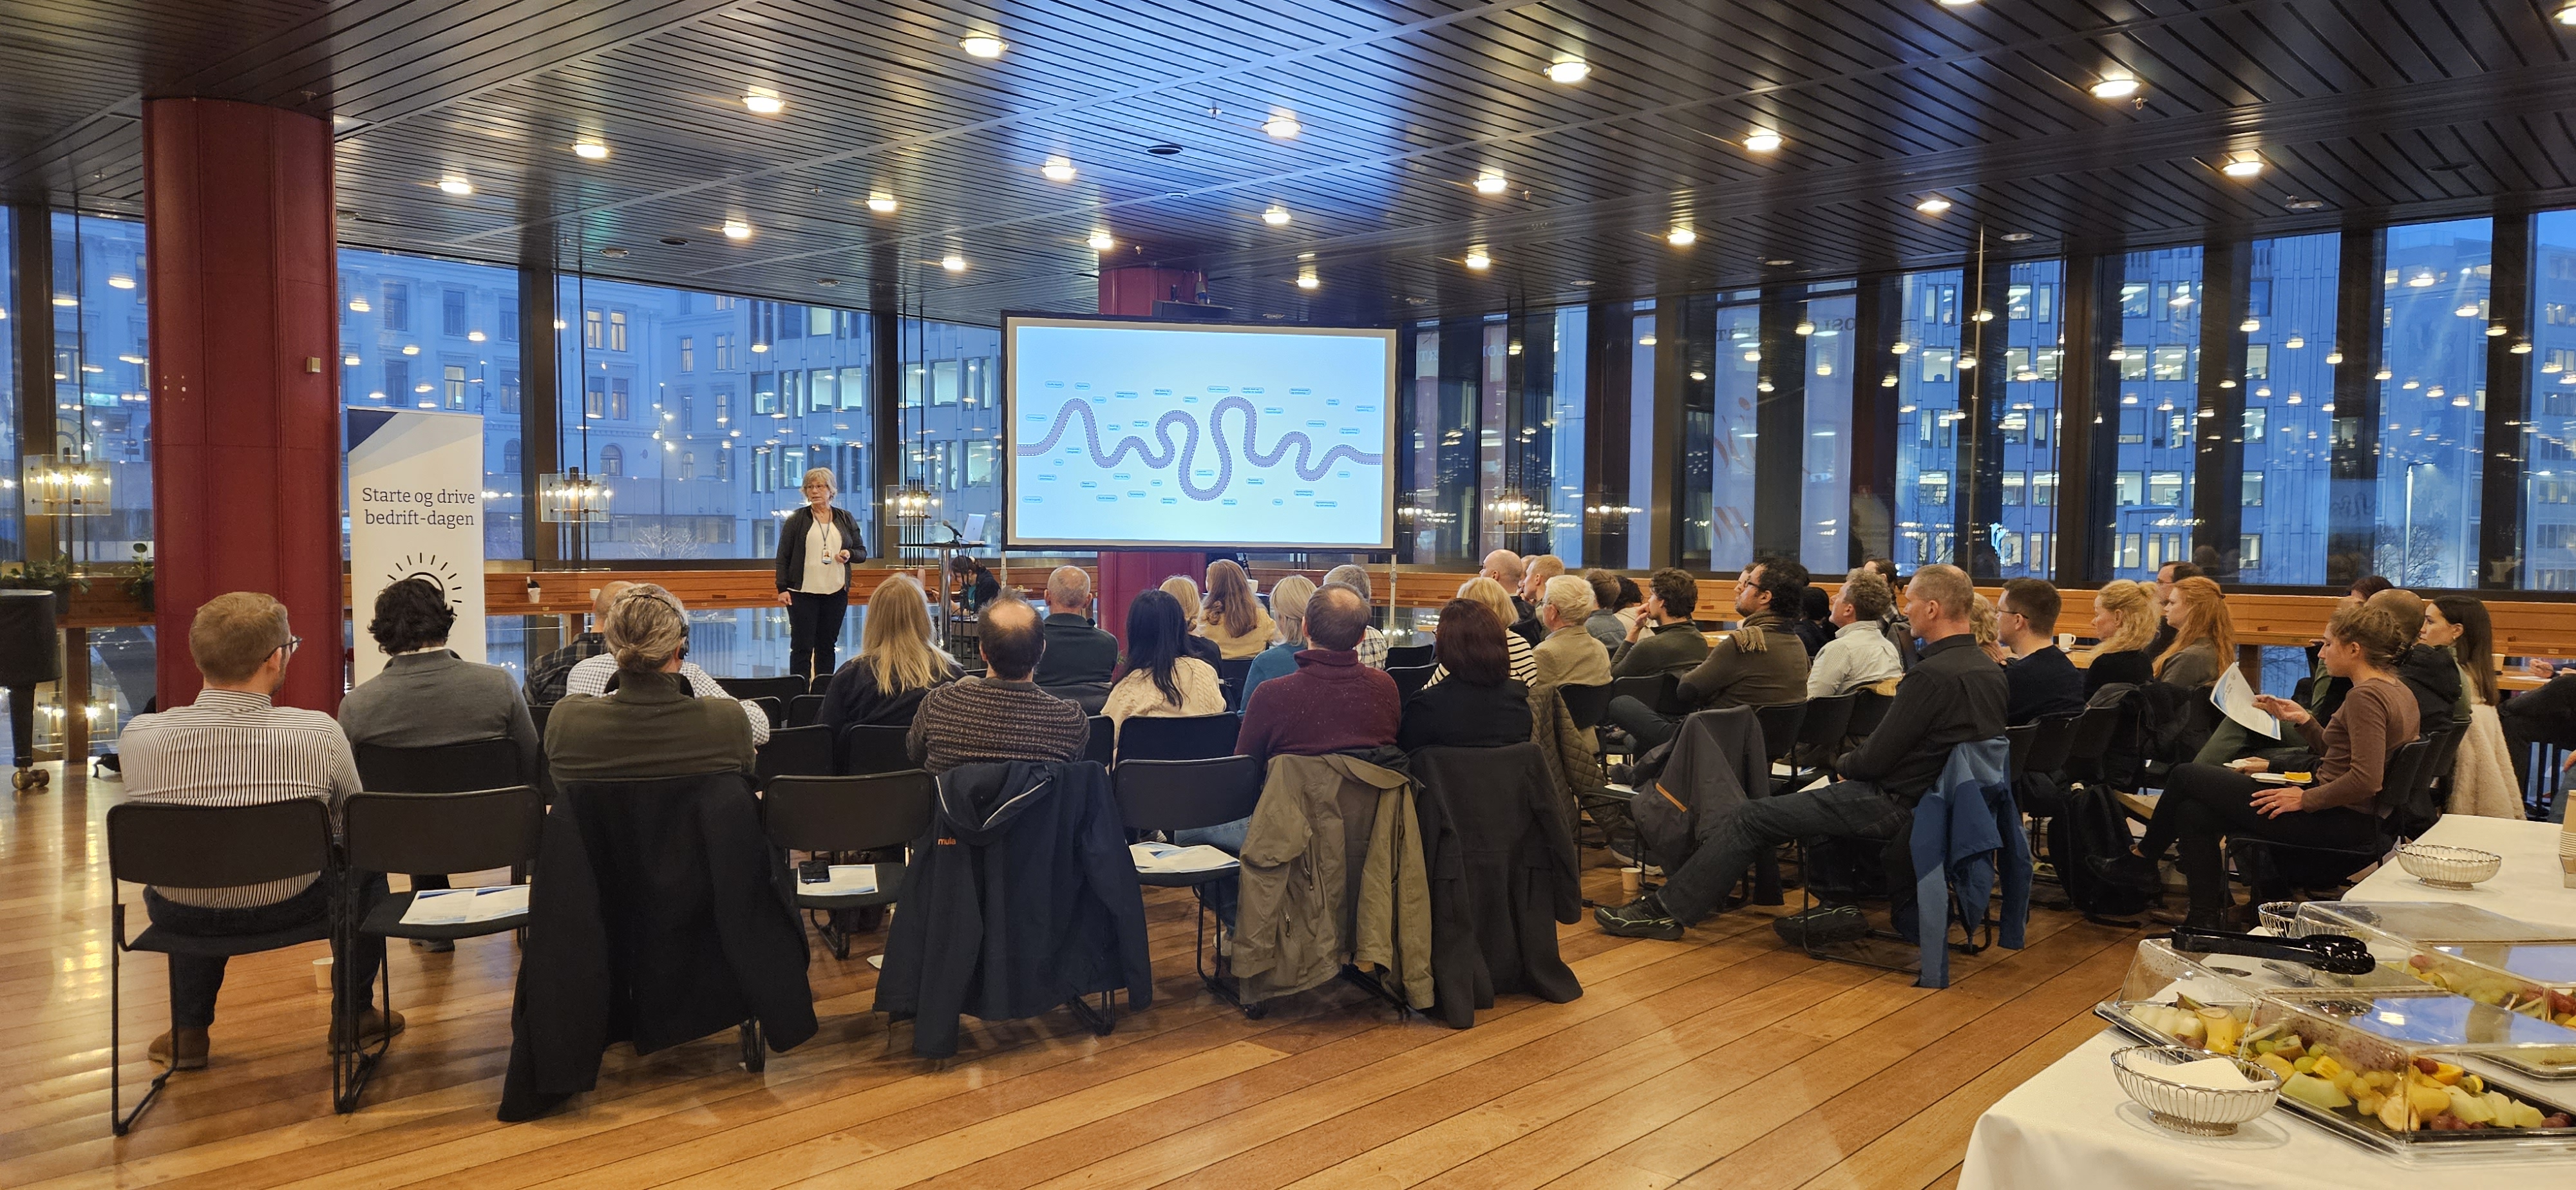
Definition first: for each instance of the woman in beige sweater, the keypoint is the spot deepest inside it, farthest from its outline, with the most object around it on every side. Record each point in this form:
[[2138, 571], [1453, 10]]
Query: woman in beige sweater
[[1233, 618]]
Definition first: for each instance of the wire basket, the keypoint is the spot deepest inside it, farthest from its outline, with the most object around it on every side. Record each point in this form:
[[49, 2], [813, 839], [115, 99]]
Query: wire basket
[[2190, 1110]]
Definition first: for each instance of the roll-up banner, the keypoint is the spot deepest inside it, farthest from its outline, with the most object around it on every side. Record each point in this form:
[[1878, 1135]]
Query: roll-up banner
[[416, 511]]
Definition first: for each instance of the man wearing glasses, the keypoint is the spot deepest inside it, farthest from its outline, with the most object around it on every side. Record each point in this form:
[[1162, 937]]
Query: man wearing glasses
[[233, 747]]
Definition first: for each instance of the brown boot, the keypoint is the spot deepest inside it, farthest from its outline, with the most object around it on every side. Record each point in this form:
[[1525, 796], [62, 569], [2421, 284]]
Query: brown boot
[[179, 1049], [373, 1027]]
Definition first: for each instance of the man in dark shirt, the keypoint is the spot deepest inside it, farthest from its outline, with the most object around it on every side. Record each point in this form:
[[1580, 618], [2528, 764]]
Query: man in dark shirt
[[1077, 651], [1953, 695], [546, 677], [2043, 682], [1332, 703]]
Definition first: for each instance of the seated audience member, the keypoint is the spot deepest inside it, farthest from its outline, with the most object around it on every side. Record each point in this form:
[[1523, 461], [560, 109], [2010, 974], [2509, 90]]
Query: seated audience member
[[1859, 656], [896, 665], [976, 585], [1899, 632], [2204, 635], [1507, 568], [2204, 804], [1078, 653], [546, 678], [1523, 659], [1982, 626], [1569, 656], [1332, 703], [2042, 682], [1233, 618], [1288, 599], [2481, 777], [2124, 622], [1815, 621], [1373, 643], [1604, 623], [2167, 577], [590, 677], [1953, 695], [1759, 664], [233, 747], [1000, 715], [426, 696], [1480, 706], [1665, 640], [2545, 714], [1632, 606], [1535, 571], [652, 725], [1161, 680], [2431, 673], [1186, 593]]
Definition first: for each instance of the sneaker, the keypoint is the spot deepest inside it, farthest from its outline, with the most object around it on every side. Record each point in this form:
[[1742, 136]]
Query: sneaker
[[179, 1049], [433, 945], [1641, 918], [2129, 869], [1822, 925]]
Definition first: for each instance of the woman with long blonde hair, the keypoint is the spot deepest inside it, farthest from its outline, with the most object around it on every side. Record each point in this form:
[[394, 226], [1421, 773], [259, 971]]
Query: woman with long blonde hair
[[1498, 600], [1288, 599], [1186, 593], [2204, 640], [2124, 623], [1233, 618], [896, 665]]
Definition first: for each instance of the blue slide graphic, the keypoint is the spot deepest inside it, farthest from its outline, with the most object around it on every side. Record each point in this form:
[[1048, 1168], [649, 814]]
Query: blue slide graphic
[[1189, 445]]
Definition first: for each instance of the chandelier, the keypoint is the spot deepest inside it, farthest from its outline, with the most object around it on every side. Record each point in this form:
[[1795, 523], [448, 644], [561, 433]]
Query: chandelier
[[572, 498], [64, 485]]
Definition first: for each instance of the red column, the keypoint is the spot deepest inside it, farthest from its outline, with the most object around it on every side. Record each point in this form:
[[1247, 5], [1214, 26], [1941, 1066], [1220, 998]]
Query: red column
[[246, 455], [1123, 573]]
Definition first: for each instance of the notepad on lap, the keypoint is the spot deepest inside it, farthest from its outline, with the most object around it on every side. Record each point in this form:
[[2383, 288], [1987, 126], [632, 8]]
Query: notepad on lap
[[1166, 858], [847, 880]]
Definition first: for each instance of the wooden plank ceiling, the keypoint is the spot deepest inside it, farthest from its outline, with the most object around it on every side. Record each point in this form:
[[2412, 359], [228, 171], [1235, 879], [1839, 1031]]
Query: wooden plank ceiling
[[2369, 109]]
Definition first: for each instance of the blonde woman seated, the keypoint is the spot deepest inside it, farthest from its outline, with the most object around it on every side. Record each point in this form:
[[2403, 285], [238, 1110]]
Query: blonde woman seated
[[2124, 624], [1160, 680], [1186, 594], [1523, 664], [1233, 619], [651, 725], [1288, 598], [896, 665], [2204, 640]]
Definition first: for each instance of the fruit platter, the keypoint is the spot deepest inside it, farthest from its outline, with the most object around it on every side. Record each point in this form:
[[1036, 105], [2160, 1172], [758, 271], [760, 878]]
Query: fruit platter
[[2413, 1072]]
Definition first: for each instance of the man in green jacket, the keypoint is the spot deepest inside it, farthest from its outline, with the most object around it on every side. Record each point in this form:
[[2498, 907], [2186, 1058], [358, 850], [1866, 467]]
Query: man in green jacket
[[1664, 640], [1760, 664]]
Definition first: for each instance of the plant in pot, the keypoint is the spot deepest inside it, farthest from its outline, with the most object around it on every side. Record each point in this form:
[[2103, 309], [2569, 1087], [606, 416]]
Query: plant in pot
[[47, 574], [138, 585]]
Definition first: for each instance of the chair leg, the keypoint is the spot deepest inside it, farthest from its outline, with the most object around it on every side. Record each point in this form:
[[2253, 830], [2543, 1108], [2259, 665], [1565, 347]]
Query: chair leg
[[1215, 980], [753, 1057], [120, 1124], [353, 1067]]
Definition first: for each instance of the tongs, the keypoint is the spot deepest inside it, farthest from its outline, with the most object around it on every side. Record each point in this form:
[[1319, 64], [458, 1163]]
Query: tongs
[[2339, 954]]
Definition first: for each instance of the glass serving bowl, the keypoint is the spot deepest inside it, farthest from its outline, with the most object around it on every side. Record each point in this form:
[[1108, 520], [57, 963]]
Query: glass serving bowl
[[2448, 867], [2143, 1073]]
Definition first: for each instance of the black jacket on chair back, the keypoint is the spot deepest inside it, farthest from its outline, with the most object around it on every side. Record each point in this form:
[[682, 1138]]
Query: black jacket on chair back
[[1020, 897], [1503, 874], [662, 915]]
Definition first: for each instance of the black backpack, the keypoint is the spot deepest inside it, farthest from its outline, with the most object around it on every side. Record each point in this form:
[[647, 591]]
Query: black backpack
[[2093, 824]]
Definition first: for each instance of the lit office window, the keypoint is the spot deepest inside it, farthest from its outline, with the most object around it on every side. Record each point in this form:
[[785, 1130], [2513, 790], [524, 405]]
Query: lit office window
[[2026, 415], [1720, 431], [935, 356], [1929, 319], [470, 375], [2432, 401], [13, 547], [2156, 342], [1832, 345], [2549, 426], [2288, 427], [102, 377]]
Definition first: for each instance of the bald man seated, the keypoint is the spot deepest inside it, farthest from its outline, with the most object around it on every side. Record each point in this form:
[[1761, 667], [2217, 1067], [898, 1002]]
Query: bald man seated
[[1077, 651]]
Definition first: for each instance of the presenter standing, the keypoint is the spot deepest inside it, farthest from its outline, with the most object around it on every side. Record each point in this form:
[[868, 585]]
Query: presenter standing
[[815, 547]]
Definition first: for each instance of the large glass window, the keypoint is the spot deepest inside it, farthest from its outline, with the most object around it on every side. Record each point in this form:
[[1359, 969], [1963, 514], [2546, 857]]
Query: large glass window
[[2288, 425], [1927, 416], [1829, 330], [2432, 401], [470, 366], [13, 547], [2024, 535], [706, 462], [1720, 431], [1568, 329], [951, 416], [102, 377], [2549, 481], [2155, 345]]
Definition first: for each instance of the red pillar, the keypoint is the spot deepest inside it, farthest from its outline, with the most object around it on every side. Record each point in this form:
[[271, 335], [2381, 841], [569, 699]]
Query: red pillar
[[1124, 573], [245, 348]]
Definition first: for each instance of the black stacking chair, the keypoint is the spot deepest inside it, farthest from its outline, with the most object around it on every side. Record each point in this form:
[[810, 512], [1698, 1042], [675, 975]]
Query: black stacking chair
[[1099, 743], [179, 846], [1781, 725], [1586, 704], [794, 752], [782, 689], [804, 710], [774, 709], [1821, 729], [2053, 744], [1179, 795], [1410, 655], [1662, 693], [446, 768], [1090, 696], [437, 832], [1191, 737], [1868, 708], [1410, 678], [848, 814], [873, 748], [537, 714], [1230, 675], [2021, 738]]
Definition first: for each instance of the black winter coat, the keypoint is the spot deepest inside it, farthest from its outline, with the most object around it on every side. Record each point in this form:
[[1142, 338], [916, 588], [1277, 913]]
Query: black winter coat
[[1021, 896], [664, 915], [1503, 874]]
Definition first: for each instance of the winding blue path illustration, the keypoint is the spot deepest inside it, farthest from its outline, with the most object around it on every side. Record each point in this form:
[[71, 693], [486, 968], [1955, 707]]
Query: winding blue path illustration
[[1187, 450]]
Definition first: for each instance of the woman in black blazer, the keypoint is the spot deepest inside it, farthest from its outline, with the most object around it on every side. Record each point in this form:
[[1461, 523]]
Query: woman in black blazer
[[815, 589]]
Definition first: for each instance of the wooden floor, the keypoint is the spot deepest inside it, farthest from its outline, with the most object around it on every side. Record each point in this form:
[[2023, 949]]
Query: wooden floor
[[1720, 1060]]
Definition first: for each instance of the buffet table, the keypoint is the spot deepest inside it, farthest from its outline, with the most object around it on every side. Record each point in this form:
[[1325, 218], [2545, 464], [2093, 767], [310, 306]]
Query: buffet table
[[2070, 1125]]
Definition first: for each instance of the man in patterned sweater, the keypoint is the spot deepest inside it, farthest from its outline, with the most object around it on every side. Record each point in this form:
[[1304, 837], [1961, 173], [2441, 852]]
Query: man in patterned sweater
[[1002, 715]]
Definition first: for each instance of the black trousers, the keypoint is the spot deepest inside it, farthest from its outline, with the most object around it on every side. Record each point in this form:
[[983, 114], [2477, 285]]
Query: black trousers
[[2204, 804], [194, 979], [22, 724], [1641, 722], [2546, 715], [814, 633]]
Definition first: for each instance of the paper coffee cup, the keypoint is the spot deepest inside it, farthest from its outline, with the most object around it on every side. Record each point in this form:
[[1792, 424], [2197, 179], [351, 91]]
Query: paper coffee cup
[[322, 975], [1628, 878]]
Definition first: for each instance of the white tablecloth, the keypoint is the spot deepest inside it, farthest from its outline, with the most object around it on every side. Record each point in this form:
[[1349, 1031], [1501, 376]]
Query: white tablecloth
[[2529, 886]]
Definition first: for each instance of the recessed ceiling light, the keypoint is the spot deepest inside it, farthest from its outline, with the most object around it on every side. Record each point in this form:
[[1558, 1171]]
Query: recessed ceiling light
[[1307, 280], [1956, 3], [2567, 15], [2520, 349], [1568, 70], [1900, 347], [2250, 325], [613, 253], [1681, 237], [953, 263], [763, 102], [474, 336], [2017, 237], [827, 282], [456, 186], [1490, 183], [2295, 342], [2115, 88], [1933, 205], [882, 204], [1057, 169], [1282, 126], [590, 150], [736, 229], [981, 45], [1101, 241], [1275, 216], [1762, 140], [2242, 165], [1166, 149], [1779, 262], [2334, 359], [1476, 259], [2303, 204], [2495, 330], [1804, 327], [120, 283]]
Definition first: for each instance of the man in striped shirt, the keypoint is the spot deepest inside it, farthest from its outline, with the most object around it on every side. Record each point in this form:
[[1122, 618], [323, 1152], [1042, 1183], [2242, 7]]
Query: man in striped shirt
[[233, 747], [1002, 715]]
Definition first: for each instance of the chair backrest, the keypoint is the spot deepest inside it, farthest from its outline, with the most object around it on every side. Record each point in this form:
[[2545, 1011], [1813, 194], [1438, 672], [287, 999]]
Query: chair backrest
[[873, 748], [537, 714], [1090, 696], [1410, 679], [1232, 672], [2300, 689], [2052, 743], [804, 710], [2399, 786], [1780, 723], [1827, 720], [2021, 738], [1660, 692], [795, 752], [1868, 708], [1177, 795], [1099, 744], [1190, 737], [1409, 655], [781, 689], [848, 813], [2093, 732], [443, 832], [446, 768], [1585, 704], [178, 846]]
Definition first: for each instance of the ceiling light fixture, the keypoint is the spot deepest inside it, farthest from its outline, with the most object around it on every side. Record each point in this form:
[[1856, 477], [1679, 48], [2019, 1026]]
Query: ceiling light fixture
[[2250, 325], [456, 186], [1681, 237], [2303, 204], [763, 102], [1804, 327], [2242, 165], [1762, 140], [2017, 237], [1276, 216], [2420, 280], [2520, 349], [1308, 280], [1100, 241], [2295, 342], [2115, 87], [2567, 15], [953, 263], [1490, 182], [1900, 347], [882, 204], [1933, 205], [1282, 126], [982, 45], [590, 150], [1057, 169], [1779, 262], [120, 283], [1568, 71], [736, 229], [2334, 359], [1476, 259], [2495, 330]]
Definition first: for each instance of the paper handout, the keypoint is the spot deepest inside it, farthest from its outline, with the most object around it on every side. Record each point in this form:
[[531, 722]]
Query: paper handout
[[465, 906], [2233, 695], [1166, 858]]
